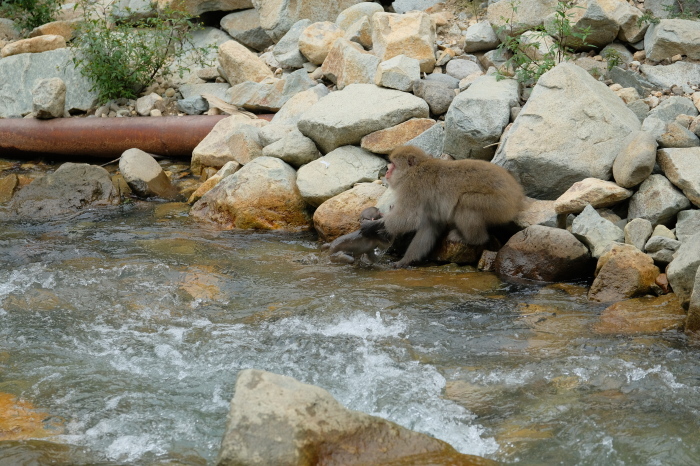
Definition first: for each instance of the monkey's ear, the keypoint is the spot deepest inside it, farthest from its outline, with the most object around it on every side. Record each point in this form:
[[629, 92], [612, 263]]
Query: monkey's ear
[[412, 160]]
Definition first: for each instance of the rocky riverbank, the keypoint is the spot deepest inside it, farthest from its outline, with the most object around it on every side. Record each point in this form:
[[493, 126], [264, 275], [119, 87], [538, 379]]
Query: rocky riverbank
[[606, 144]]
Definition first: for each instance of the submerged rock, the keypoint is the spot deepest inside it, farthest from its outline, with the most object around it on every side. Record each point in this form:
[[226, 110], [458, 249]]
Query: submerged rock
[[278, 420], [646, 315], [70, 189]]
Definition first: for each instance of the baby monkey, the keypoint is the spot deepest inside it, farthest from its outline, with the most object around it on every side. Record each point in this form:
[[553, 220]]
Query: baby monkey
[[350, 248]]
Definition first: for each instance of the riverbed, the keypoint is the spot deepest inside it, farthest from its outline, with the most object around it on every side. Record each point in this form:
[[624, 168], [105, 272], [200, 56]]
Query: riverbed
[[127, 326]]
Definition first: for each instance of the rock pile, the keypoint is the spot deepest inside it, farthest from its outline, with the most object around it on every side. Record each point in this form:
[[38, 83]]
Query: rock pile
[[606, 145]]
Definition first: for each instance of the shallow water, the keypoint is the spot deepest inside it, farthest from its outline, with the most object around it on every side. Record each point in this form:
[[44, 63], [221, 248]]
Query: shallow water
[[128, 327]]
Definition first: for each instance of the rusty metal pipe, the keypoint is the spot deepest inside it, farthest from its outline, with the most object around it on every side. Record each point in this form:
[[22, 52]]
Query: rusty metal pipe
[[104, 138]]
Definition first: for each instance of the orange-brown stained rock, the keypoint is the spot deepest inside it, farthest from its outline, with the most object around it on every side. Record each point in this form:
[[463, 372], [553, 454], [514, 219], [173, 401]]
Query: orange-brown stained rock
[[262, 195], [8, 184], [386, 140], [645, 315], [457, 252], [340, 214], [662, 281], [277, 420], [621, 273], [19, 420]]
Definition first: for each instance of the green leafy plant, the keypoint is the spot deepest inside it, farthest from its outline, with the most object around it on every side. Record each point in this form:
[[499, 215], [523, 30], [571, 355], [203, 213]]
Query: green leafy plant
[[29, 14], [647, 17], [123, 58], [526, 61], [472, 6], [612, 57]]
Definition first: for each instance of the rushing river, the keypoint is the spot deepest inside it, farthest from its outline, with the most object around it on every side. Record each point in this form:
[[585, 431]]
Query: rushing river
[[127, 326]]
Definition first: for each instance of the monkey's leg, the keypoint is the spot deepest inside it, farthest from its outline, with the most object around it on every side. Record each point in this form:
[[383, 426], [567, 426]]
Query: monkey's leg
[[472, 226], [421, 245]]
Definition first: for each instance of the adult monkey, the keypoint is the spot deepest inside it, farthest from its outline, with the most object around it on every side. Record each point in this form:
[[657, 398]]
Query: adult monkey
[[434, 195]]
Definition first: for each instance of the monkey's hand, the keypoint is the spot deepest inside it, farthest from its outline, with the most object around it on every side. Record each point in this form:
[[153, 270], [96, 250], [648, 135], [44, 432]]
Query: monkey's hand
[[375, 229]]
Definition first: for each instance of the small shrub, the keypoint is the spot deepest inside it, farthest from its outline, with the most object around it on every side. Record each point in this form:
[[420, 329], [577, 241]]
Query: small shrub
[[122, 59], [684, 9], [528, 70], [29, 14], [613, 58]]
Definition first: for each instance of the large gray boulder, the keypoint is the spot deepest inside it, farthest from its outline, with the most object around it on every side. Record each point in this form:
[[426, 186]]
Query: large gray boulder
[[637, 232], [688, 223], [19, 72], [657, 200], [517, 16], [197, 7], [277, 420], [636, 161], [572, 127], [286, 51], [692, 324], [244, 27], [681, 73], [682, 168], [238, 64], [271, 94], [681, 271], [144, 175], [480, 37], [262, 195], [190, 63], [595, 231], [411, 34], [477, 117], [294, 148], [672, 107], [596, 15], [671, 37], [232, 139], [343, 117], [336, 172], [294, 108], [49, 98], [278, 16], [348, 63], [70, 189]]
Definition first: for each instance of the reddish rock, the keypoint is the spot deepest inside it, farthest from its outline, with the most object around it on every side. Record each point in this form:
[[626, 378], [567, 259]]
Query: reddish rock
[[544, 254], [623, 272]]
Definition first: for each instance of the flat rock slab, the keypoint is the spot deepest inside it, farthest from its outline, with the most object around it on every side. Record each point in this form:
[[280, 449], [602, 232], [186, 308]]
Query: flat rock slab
[[71, 188], [277, 420], [344, 117], [682, 168], [646, 315], [572, 127], [19, 72]]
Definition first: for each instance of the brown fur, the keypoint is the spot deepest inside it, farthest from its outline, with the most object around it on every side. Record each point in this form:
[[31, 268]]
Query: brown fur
[[434, 195]]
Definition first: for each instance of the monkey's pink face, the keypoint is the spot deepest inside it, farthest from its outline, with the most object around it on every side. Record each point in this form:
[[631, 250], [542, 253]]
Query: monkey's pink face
[[390, 171]]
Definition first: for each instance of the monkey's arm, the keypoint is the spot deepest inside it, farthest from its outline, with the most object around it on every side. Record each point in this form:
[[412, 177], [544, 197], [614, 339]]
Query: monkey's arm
[[375, 230], [422, 244]]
